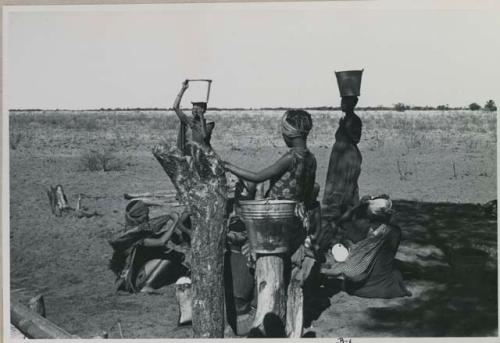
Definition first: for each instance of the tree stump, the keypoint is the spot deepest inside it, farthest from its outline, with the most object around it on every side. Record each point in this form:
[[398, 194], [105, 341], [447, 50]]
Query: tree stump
[[271, 288], [37, 305], [58, 200], [59, 204], [200, 182]]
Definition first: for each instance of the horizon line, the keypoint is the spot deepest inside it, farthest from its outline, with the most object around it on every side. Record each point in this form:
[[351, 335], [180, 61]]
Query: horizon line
[[266, 108]]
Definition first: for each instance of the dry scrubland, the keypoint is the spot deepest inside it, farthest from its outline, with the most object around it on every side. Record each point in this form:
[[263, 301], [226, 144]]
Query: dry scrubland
[[429, 156], [423, 157]]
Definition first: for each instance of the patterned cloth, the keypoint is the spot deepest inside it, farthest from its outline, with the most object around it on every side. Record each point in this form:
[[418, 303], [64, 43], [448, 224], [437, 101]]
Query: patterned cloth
[[298, 182], [136, 213], [361, 257], [341, 186]]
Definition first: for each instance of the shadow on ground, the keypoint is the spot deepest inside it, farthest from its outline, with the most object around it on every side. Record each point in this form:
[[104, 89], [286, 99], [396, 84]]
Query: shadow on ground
[[448, 257]]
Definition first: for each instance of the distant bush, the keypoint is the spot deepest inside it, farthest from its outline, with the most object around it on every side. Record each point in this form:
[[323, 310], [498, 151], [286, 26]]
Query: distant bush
[[401, 107], [443, 107], [490, 106], [474, 107], [106, 160]]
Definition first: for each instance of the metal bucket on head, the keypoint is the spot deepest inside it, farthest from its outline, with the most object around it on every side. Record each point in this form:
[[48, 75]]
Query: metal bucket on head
[[270, 224]]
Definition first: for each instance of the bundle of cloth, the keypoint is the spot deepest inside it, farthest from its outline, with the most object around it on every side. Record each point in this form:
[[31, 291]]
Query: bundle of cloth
[[364, 257], [151, 252]]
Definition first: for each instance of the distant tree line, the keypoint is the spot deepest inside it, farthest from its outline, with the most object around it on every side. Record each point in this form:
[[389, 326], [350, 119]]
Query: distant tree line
[[489, 106]]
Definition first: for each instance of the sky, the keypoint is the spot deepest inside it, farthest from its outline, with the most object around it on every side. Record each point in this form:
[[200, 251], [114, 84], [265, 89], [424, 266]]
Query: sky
[[258, 55]]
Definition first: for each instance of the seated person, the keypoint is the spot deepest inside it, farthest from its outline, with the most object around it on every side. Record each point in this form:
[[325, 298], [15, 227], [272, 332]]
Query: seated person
[[151, 254], [372, 241]]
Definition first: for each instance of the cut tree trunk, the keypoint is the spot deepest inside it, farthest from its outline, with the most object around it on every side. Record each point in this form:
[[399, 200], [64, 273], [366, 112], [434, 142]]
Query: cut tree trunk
[[201, 185], [58, 200], [59, 204], [37, 305], [294, 310], [271, 287]]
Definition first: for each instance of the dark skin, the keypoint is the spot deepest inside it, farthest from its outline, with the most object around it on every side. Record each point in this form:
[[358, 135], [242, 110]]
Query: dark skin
[[353, 133], [273, 171], [165, 236], [198, 112], [353, 124]]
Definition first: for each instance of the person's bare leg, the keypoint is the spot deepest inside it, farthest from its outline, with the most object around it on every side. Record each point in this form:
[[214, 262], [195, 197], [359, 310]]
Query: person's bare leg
[[159, 269]]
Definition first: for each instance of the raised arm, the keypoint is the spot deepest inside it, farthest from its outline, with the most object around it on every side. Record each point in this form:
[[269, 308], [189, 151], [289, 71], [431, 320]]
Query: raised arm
[[275, 170], [177, 103]]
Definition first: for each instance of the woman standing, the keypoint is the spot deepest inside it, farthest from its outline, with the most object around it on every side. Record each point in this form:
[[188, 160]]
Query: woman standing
[[292, 176], [344, 168], [201, 130]]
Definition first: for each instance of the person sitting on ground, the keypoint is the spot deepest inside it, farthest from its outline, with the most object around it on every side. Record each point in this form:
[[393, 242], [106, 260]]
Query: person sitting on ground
[[372, 241], [201, 130], [152, 253]]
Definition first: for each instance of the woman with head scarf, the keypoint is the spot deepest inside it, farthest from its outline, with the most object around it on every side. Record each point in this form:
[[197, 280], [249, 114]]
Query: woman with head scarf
[[292, 177], [365, 257]]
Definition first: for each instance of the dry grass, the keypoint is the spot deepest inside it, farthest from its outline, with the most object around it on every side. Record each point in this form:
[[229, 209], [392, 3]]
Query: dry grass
[[138, 129], [105, 160]]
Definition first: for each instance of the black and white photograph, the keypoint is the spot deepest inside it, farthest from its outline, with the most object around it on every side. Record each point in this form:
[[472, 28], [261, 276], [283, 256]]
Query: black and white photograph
[[322, 169]]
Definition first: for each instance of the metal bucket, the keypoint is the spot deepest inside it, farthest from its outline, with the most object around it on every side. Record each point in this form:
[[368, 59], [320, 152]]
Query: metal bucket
[[270, 224]]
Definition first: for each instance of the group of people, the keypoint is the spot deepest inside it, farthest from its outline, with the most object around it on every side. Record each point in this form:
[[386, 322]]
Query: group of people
[[362, 228]]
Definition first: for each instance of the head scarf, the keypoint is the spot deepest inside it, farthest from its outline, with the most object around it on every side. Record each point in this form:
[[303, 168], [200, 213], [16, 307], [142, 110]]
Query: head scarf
[[380, 206], [136, 213], [289, 130]]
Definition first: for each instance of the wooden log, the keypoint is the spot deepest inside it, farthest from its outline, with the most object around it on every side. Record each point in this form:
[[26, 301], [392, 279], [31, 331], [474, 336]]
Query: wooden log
[[271, 288], [294, 310], [33, 325], [37, 305], [201, 185], [160, 194]]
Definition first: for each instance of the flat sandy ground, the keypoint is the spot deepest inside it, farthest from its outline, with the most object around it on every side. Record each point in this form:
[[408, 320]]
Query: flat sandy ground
[[438, 165]]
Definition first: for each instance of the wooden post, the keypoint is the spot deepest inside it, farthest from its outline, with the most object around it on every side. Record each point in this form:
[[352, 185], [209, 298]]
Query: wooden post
[[294, 310], [201, 185], [37, 305], [270, 275], [33, 325]]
